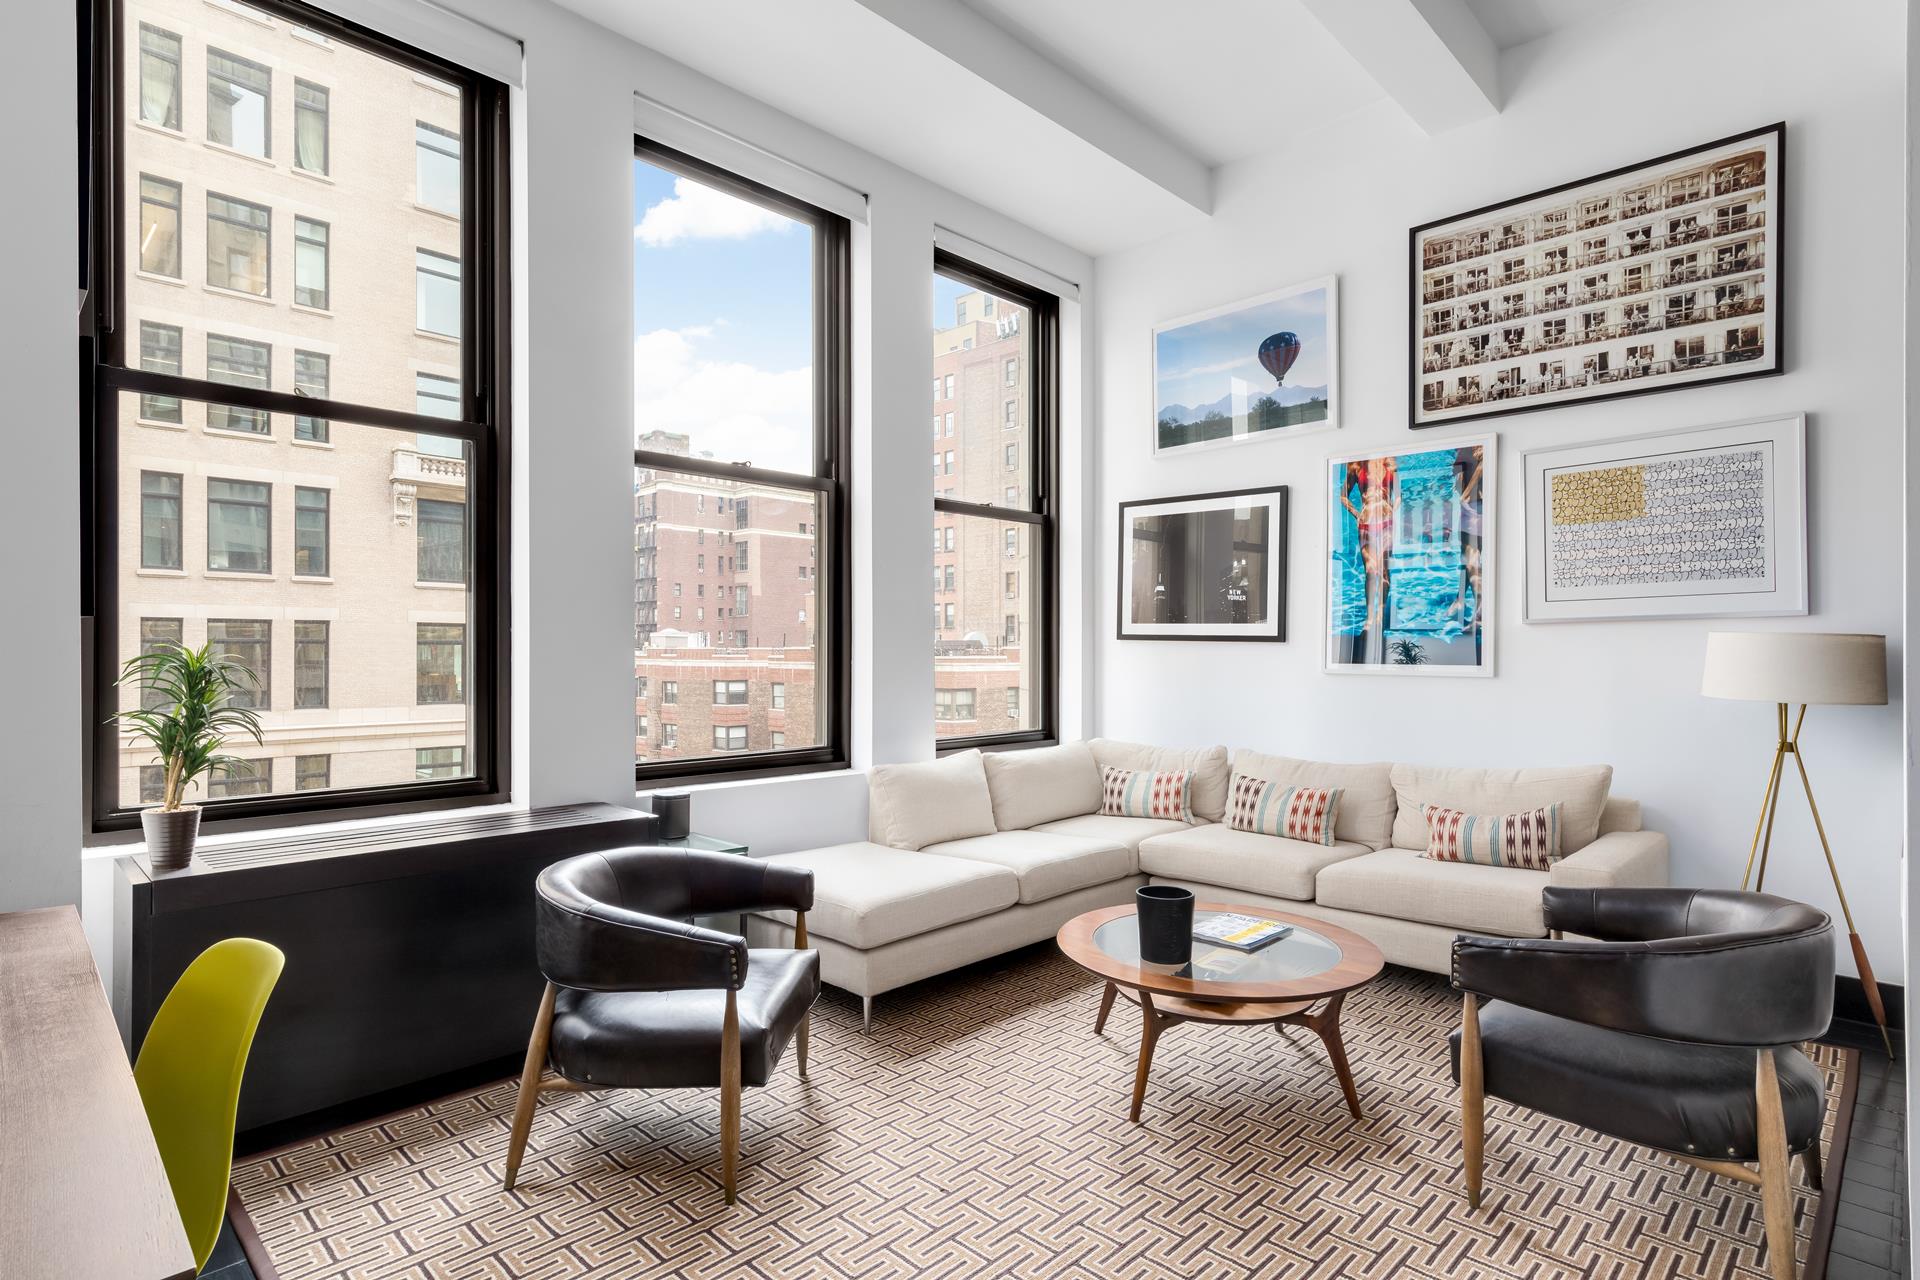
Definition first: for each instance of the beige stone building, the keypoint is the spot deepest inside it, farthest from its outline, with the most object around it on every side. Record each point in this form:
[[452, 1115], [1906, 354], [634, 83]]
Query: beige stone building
[[293, 224]]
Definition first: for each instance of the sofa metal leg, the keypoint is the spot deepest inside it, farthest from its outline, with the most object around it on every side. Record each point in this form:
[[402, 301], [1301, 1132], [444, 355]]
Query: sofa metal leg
[[806, 1019], [1776, 1190], [730, 1095], [866, 1014], [1473, 1099], [529, 1085]]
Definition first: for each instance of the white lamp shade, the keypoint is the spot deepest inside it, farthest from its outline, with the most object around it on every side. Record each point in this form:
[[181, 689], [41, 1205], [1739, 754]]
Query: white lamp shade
[[1819, 668]]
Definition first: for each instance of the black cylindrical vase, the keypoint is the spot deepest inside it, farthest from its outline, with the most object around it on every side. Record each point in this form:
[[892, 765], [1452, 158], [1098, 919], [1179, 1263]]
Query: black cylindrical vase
[[675, 811], [1166, 923]]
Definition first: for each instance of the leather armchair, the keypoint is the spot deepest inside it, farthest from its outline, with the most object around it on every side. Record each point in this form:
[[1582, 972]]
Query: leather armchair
[[639, 997], [1672, 1022]]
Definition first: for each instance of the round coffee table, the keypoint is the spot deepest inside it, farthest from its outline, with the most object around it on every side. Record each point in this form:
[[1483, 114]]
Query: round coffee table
[[1279, 984]]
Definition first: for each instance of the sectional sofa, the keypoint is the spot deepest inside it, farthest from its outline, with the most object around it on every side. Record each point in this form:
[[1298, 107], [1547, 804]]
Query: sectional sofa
[[974, 855]]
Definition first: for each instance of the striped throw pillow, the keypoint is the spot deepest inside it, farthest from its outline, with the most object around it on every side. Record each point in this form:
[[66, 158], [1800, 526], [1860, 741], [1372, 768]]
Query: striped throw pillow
[[1276, 809], [1140, 793], [1530, 840]]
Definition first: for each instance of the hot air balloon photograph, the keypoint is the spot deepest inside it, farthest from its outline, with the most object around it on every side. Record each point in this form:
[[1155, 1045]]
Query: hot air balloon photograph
[[1256, 369]]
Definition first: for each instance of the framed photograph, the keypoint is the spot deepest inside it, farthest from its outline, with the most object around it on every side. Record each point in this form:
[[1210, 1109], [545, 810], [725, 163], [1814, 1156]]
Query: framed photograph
[[1704, 523], [1212, 566], [1410, 541], [1661, 275], [1253, 370]]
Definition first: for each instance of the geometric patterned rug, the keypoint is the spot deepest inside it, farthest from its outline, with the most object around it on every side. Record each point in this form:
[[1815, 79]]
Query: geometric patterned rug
[[981, 1131]]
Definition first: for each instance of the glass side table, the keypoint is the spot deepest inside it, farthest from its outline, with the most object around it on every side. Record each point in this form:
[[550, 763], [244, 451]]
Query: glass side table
[[704, 844]]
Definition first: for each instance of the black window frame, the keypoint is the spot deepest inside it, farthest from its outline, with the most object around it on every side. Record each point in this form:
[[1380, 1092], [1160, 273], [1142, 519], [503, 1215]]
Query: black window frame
[[829, 483], [482, 425], [1042, 513]]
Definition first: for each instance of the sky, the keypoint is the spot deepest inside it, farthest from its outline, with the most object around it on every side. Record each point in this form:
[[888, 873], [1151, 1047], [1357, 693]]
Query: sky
[[1196, 363]]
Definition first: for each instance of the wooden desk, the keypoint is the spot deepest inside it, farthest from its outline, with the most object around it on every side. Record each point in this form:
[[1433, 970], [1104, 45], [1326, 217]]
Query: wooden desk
[[82, 1189]]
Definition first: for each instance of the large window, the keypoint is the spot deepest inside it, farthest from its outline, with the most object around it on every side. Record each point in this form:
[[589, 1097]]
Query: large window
[[295, 438], [740, 422], [993, 522]]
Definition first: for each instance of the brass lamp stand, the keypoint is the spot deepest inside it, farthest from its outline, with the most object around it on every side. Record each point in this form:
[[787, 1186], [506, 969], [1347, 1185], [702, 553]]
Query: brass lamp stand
[[1789, 745]]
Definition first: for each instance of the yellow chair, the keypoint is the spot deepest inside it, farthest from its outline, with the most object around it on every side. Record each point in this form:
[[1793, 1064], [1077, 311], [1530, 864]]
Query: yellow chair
[[189, 1073]]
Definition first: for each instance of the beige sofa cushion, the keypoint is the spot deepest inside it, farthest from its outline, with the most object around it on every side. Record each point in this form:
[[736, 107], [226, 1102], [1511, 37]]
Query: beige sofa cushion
[[1126, 832], [867, 895], [1218, 854], [1457, 895], [1365, 812], [1580, 791], [910, 806], [1048, 865], [1043, 785], [1208, 765]]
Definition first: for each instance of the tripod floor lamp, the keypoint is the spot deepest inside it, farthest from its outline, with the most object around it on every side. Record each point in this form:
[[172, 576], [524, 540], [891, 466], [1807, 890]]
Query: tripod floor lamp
[[1804, 668]]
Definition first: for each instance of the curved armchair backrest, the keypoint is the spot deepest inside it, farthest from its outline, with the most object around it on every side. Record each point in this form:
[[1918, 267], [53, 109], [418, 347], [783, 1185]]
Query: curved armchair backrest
[[189, 1072], [1699, 965]]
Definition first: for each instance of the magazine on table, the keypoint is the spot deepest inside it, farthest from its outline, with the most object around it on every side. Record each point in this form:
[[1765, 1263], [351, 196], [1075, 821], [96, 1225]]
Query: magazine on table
[[1242, 933]]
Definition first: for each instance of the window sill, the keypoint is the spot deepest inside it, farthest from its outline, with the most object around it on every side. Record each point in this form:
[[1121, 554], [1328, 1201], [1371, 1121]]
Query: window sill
[[157, 425], [321, 580], [178, 135], [426, 585], [226, 6], [313, 175], [313, 38], [264, 437], [221, 291], [154, 277], [235, 575], [773, 774], [160, 573], [306, 310], [298, 443], [438, 213], [265, 162], [451, 339]]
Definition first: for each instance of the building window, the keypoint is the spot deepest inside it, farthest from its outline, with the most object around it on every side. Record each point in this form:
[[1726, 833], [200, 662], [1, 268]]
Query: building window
[[312, 373], [777, 739], [239, 526], [310, 658], [249, 643], [439, 762], [777, 699], [238, 363], [154, 634], [436, 293], [160, 510], [669, 736], [240, 778], [436, 159], [239, 94], [311, 532], [239, 240], [641, 686], [778, 493], [443, 541], [410, 491], [310, 263], [442, 663], [159, 77], [153, 783], [310, 141], [159, 227], [669, 692], [1004, 519], [312, 773]]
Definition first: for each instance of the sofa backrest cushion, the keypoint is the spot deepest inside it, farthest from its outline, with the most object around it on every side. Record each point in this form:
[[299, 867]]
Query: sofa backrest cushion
[[1365, 815], [910, 806], [1621, 814], [1580, 791], [1208, 765], [1043, 785]]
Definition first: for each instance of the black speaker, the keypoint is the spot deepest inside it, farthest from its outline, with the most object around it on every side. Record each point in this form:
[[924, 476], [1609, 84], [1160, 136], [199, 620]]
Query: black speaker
[[675, 811]]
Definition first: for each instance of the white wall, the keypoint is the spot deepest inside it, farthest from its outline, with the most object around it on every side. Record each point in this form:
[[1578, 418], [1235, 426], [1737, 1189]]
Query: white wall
[[1341, 201]]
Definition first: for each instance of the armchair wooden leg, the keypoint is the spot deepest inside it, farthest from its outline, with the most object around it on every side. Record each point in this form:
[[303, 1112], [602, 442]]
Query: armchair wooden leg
[[529, 1085], [730, 1095], [806, 1019], [1776, 1190], [1810, 1162], [1473, 1099]]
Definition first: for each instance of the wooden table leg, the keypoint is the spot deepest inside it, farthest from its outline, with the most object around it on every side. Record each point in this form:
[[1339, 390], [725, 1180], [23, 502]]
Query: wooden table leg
[[1326, 1025], [1151, 1025], [1106, 1007]]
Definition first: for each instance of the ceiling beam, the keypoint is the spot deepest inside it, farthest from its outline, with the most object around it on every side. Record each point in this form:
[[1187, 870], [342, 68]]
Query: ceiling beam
[[1431, 56], [969, 40]]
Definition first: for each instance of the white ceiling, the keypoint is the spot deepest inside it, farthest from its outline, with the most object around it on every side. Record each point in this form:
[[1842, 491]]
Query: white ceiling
[[1514, 22]]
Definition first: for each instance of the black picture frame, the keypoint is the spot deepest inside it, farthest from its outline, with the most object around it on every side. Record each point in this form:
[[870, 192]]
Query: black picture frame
[[1276, 495], [1772, 310]]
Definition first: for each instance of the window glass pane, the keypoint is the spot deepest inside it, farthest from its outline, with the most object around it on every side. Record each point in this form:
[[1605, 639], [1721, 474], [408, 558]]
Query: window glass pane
[[237, 102], [442, 662], [310, 263], [239, 237], [436, 167], [312, 375], [159, 226], [312, 773], [155, 633], [433, 394], [986, 661], [723, 323], [365, 494], [250, 644], [437, 293], [244, 364], [240, 778], [159, 77], [439, 762], [159, 353], [443, 541], [310, 110], [979, 344], [751, 553]]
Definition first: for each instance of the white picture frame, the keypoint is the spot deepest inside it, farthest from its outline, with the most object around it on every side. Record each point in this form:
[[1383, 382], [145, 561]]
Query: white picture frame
[[1767, 457], [1196, 572], [1231, 377], [1450, 525]]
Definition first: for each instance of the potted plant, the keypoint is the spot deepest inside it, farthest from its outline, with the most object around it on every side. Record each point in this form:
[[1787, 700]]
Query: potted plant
[[186, 715]]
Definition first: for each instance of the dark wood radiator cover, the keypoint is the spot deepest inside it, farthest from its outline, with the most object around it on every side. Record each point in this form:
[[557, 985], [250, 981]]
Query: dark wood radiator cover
[[409, 949]]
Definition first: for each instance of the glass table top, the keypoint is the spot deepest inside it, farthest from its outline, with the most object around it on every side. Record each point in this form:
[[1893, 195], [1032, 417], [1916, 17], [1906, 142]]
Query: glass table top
[[1301, 954], [703, 844]]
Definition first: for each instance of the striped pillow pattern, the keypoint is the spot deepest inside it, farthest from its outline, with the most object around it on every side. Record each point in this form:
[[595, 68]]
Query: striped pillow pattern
[[1529, 841], [1276, 809], [1140, 793]]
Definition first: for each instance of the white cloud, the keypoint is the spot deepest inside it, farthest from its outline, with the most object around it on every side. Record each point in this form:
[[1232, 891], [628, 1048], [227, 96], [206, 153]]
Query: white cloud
[[695, 212], [733, 410]]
